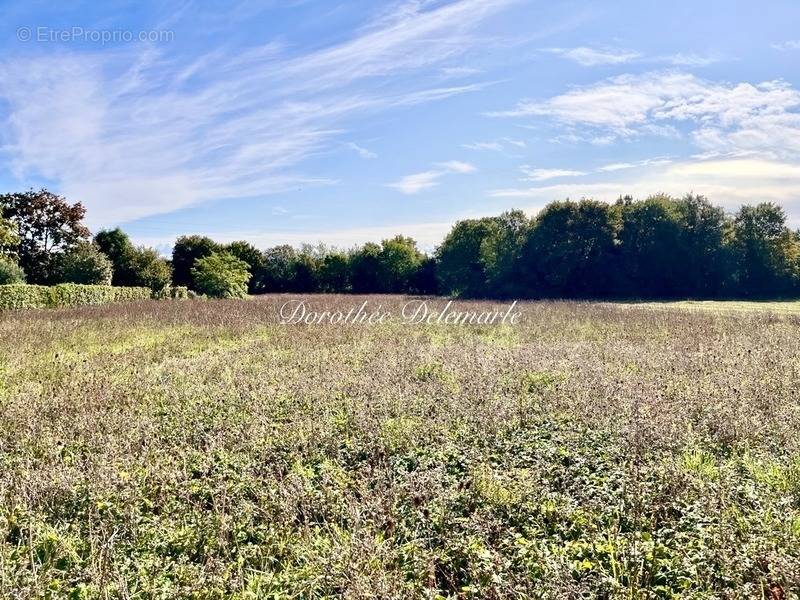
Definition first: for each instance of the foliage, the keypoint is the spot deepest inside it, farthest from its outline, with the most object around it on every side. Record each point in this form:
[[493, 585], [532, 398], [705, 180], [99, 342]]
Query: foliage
[[461, 269], [9, 236], [570, 250], [254, 258], [47, 225], [764, 251], [185, 253], [138, 267], [221, 275], [278, 270], [83, 263], [398, 260], [16, 296], [10, 271]]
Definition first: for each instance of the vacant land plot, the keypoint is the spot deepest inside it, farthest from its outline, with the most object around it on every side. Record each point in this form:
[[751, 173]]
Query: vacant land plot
[[200, 449]]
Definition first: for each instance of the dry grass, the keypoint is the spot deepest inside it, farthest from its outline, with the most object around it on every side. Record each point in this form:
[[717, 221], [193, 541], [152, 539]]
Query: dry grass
[[201, 450]]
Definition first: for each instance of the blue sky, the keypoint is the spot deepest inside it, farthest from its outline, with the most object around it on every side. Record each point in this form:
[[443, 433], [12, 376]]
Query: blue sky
[[342, 122]]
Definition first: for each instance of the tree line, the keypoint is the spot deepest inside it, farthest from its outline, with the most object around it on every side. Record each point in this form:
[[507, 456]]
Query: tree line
[[660, 247]]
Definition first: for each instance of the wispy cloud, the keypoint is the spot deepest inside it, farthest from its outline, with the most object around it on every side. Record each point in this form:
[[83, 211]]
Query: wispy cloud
[[532, 174], [790, 45], [361, 151], [500, 145], [620, 166], [417, 182], [150, 133], [592, 57], [491, 146]]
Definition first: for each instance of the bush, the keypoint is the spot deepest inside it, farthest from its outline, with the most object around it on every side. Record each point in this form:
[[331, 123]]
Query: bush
[[84, 264], [178, 292], [67, 294], [221, 275], [21, 295], [10, 271]]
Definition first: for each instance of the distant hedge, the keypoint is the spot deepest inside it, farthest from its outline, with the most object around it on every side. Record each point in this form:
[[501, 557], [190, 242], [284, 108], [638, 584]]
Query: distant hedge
[[67, 294]]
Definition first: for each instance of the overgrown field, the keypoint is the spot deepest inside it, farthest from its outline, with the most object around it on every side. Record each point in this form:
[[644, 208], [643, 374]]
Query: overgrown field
[[202, 450]]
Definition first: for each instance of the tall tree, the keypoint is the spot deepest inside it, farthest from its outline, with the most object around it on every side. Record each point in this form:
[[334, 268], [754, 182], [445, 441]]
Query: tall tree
[[9, 237], [398, 260], [47, 225], [461, 268], [365, 268], [248, 253], [501, 254], [278, 270], [765, 251], [650, 259], [187, 250], [706, 259], [570, 250]]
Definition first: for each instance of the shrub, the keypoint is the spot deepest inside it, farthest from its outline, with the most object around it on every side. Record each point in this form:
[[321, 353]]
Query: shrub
[[24, 296], [10, 271], [84, 264], [67, 294], [221, 275], [178, 292]]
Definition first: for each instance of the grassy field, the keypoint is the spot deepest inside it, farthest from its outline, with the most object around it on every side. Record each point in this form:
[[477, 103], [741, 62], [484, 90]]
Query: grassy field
[[202, 450]]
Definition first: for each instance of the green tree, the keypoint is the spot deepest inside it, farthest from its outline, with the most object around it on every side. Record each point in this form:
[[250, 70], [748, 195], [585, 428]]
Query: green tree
[[185, 253], [334, 274], [278, 269], [461, 268], [117, 246], [501, 253], [570, 250], [651, 257], [83, 263], [221, 275], [148, 269], [764, 251], [10, 271], [9, 237], [365, 268], [133, 266], [398, 260], [705, 257], [255, 262], [47, 225], [424, 281]]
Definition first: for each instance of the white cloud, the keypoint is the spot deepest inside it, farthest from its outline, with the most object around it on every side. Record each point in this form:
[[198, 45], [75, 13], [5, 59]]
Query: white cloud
[[495, 146], [543, 174], [790, 45], [416, 182], [691, 60], [609, 168], [459, 71], [362, 152], [591, 57], [492, 146], [141, 133], [725, 117], [456, 166]]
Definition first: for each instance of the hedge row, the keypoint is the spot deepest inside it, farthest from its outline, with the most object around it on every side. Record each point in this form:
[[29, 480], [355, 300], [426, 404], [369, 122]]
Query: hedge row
[[70, 294]]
